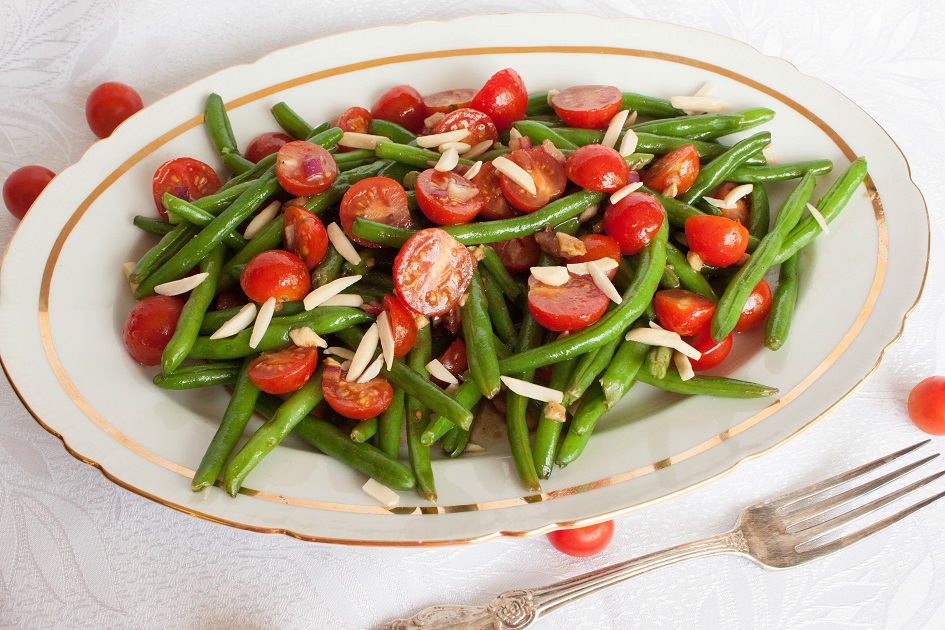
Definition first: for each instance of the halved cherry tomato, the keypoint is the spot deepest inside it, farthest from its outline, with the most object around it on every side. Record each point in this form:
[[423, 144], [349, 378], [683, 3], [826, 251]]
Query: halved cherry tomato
[[927, 405], [380, 199], [185, 178], [305, 168], [277, 274], [304, 235], [683, 311], [447, 198], [598, 246], [713, 352], [480, 126], [109, 105], [633, 221], [355, 400], [574, 305], [549, 176], [489, 183], [402, 105], [718, 241], [454, 359], [675, 170], [23, 186], [587, 106], [402, 325], [739, 213], [449, 100], [265, 144], [150, 326], [596, 167], [518, 254], [503, 97], [431, 272], [282, 371], [756, 308], [354, 119], [582, 541]]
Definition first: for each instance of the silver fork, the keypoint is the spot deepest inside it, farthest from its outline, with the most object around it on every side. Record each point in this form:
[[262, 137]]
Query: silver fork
[[776, 534]]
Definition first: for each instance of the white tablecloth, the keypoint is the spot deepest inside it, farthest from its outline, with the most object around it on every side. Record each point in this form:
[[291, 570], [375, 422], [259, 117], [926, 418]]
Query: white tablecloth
[[78, 551]]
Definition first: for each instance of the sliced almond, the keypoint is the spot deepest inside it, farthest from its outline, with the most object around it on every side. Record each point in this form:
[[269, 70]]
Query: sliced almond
[[671, 191], [363, 355], [628, 144], [478, 149], [582, 269], [237, 323], [551, 94], [626, 190], [341, 244], [331, 289], [354, 140], [706, 89], [436, 139], [433, 120], [516, 173], [814, 212], [718, 203], [473, 170], [604, 284], [344, 299], [177, 287], [341, 353], [263, 318], [514, 134], [695, 261], [380, 493], [631, 119], [372, 370], [555, 412], [683, 366], [530, 390], [305, 337], [474, 448], [700, 104], [589, 213], [386, 335], [447, 161], [770, 155], [262, 218], [737, 193], [664, 338], [614, 128], [552, 276], [549, 147], [438, 370], [461, 147], [458, 190]]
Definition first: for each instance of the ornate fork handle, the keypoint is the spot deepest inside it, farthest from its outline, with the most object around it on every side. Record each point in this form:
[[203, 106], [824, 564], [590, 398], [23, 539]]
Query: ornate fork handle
[[513, 610]]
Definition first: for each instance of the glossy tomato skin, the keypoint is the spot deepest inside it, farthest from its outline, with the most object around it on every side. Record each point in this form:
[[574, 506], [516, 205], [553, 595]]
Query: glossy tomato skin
[[380, 199], [480, 126], [756, 308], [403, 327], [598, 246], [573, 306], [449, 100], [432, 272], [454, 359], [283, 371], [583, 541], [185, 178], [678, 168], [150, 326], [447, 198], [265, 144], [495, 205], [503, 98], [927, 405], [304, 235], [587, 106], [682, 311], [633, 221], [518, 254], [548, 173], [357, 401], [275, 273], [23, 186], [402, 105], [740, 212], [109, 105], [717, 240], [596, 167], [305, 168], [713, 352]]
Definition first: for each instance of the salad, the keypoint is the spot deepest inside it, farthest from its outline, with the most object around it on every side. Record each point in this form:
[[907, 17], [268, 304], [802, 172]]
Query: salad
[[388, 277]]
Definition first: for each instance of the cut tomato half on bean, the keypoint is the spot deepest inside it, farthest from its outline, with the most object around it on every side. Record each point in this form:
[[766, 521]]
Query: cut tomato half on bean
[[739, 213], [547, 173], [265, 144], [682, 311], [503, 98], [304, 235], [305, 168], [582, 541], [713, 352], [596, 167], [357, 401], [275, 274], [495, 205], [598, 246], [633, 221], [480, 126], [355, 120], [718, 241], [403, 327], [447, 198], [432, 272], [150, 326], [449, 100], [402, 105], [674, 172], [185, 178], [587, 106], [573, 306], [379, 199], [518, 254], [756, 308], [283, 371]]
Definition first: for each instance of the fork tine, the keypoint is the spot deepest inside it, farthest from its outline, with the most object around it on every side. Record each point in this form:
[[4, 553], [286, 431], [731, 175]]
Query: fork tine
[[855, 537], [799, 517], [821, 486], [816, 531]]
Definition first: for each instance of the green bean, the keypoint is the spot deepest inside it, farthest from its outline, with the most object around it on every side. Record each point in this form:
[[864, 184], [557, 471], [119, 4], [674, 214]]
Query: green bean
[[459, 443], [717, 386], [436, 429], [327, 198], [516, 406], [499, 314], [488, 156], [759, 212], [707, 126], [397, 171], [327, 139], [185, 379], [221, 134], [538, 133], [733, 300], [649, 106], [389, 425], [364, 430], [678, 211], [620, 375], [328, 269], [238, 412], [448, 442], [778, 172], [548, 433], [592, 407], [477, 331], [355, 155], [249, 177], [221, 200], [589, 367], [782, 305], [498, 272], [669, 279], [158, 227], [830, 205], [538, 105], [291, 122], [191, 316], [689, 278], [414, 156], [657, 361], [713, 174], [391, 130], [418, 417], [167, 247], [468, 396], [193, 214]]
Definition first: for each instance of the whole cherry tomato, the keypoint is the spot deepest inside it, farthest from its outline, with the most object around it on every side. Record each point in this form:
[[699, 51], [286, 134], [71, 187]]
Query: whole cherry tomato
[[583, 541], [713, 352], [682, 311], [717, 241], [927, 405], [23, 186], [675, 171], [150, 326], [275, 273], [265, 144], [633, 221], [109, 105], [596, 167], [402, 105], [503, 97], [756, 308]]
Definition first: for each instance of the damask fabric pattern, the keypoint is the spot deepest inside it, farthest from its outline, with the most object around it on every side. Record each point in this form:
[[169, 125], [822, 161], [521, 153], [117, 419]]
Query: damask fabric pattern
[[76, 551]]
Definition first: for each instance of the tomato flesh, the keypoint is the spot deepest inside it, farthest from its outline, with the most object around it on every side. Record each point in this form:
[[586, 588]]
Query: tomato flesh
[[304, 235], [480, 126], [265, 144], [355, 120], [23, 186], [495, 205], [718, 241], [150, 326], [447, 198], [185, 178], [756, 308], [596, 167], [683, 311], [573, 306], [357, 401], [402, 105], [598, 246], [927, 405], [582, 541], [277, 274], [449, 100], [109, 105], [305, 168], [676, 170], [379, 199], [587, 106], [713, 352], [518, 254], [633, 221], [503, 98], [283, 371], [431, 272], [402, 325], [548, 174]]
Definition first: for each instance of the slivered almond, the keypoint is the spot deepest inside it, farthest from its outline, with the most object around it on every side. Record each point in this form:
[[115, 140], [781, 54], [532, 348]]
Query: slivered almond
[[177, 287], [626, 190], [474, 448], [344, 299], [354, 140], [695, 261], [433, 120], [372, 370], [438, 370], [380, 493], [718, 203], [701, 104], [551, 93], [814, 212], [264, 216], [550, 148], [516, 173], [530, 390], [665, 338], [671, 191], [331, 289], [582, 269], [436, 139], [452, 388], [770, 155], [589, 213], [614, 128], [128, 267], [628, 144], [447, 161], [514, 134], [363, 355], [305, 337], [631, 119], [460, 191], [552, 276], [555, 412], [478, 149], [706, 89], [261, 325], [341, 243], [461, 147], [737, 193], [341, 353], [473, 170], [683, 366], [604, 284], [386, 335], [237, 323]]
